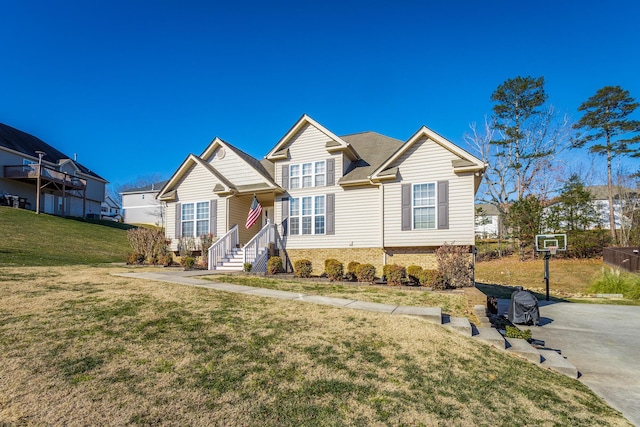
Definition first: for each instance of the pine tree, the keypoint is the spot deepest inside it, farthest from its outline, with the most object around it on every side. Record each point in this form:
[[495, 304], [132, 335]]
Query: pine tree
[[605, 120]]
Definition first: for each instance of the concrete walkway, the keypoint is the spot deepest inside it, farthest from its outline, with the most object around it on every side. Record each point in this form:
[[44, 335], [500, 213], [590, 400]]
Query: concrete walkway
[[603, 342], [432, 314]]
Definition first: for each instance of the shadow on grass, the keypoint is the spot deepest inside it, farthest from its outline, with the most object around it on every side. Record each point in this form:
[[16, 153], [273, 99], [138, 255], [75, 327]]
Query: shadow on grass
[[106, 223]]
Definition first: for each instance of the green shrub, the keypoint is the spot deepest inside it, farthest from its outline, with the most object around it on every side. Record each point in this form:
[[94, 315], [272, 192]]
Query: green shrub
[[189, 262], [274, 265], [351, 271], [614, 282], [415, 274], [334, 269], [366, 273], [513, 332], [302, 268], [431, 278], [247, 266], [394, 274], [587, 243]]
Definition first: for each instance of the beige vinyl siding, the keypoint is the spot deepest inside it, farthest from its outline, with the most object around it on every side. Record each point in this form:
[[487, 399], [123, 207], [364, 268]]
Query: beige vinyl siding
[[427, 162], [196, 186], [308, 145], [357, 219], [234, 168]]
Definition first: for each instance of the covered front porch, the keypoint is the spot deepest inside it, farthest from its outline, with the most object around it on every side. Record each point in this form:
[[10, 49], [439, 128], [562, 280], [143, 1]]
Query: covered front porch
[[241, 245]]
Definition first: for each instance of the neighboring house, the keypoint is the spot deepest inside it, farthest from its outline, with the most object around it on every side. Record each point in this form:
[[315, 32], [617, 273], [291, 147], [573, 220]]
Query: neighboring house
[[487, 221], [67, 187], [622, 196], [110, 209], [363, 197], [140, 205]]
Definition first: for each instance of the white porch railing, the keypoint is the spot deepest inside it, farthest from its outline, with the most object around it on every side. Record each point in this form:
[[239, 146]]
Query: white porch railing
[[252, 250], [220, 248]]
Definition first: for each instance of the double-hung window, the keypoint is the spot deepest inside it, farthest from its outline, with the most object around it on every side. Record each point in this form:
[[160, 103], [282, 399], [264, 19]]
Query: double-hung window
[[307, 175], [307, 215], [195, 219], [424, 206]]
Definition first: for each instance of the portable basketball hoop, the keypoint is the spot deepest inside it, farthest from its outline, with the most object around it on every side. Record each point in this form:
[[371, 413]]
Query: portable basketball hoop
[[550, 244]]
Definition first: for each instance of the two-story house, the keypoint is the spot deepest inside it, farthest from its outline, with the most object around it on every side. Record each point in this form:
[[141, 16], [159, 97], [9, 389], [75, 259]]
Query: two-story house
[[363, 197], [67, 187]]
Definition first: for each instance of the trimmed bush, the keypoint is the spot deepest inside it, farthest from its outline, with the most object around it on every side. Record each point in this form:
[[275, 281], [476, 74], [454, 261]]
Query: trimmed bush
[[189, 262], [431, 278], [302, 268], [333, 269], [415, 274], [352, 275], [366, 273], [394, 274], [247, 266], [274, 265]]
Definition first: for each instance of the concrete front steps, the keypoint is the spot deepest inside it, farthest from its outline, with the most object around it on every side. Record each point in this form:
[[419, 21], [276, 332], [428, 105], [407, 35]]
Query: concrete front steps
[[519, 347], [234, 261], [547, 358]]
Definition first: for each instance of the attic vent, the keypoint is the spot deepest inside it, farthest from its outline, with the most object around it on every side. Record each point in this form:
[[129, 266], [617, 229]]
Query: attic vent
[[220, 153]]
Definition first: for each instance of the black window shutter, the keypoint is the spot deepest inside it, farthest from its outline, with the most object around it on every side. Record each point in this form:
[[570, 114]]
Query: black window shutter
[[178, 232], [443, 205], [331, 173], [213, 216], [285, 216], [331, 214], [285, 176], [406, 207]]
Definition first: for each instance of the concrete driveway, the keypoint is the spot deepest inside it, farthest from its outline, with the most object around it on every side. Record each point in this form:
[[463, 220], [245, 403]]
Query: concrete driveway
[[603, 342]]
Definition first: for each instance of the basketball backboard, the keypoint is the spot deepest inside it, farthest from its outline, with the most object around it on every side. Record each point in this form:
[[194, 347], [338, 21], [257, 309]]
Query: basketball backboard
[[546, 241]]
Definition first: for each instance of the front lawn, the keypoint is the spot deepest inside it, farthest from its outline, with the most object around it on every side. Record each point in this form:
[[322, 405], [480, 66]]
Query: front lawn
[[79, 346]]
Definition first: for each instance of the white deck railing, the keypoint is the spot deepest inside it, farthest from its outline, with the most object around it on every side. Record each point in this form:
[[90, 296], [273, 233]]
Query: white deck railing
[[258, 245], [220, 248]]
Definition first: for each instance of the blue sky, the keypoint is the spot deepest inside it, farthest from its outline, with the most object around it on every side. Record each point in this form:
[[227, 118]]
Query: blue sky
[[133, 87]]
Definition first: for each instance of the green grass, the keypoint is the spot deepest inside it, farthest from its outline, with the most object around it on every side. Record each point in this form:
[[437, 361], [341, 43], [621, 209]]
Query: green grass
[[570, 280], [133, 352], [27, 239], [613, 281]]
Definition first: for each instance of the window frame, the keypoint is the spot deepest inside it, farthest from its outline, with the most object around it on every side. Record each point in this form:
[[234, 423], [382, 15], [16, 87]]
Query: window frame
[[305, 215], [199, 216], [297, 179], [433, 206]]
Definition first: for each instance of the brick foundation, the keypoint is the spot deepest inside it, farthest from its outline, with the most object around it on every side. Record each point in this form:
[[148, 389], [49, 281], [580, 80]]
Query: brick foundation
[[424, 257], [317, 257]]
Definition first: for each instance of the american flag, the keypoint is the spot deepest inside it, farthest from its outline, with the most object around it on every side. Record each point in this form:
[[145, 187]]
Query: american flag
[[254, 213]]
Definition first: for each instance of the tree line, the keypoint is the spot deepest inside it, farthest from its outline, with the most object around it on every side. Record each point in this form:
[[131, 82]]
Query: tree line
[[522, 143]]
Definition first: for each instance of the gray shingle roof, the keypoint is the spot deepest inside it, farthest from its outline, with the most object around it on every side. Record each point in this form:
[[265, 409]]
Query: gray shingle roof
[[27, 144], [374, 149]]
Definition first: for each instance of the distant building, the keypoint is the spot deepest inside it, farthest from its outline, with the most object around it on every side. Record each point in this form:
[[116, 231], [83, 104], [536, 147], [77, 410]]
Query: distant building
[[111, 210], [67, 187], [140, 205], [622, 197], [487, 221]]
